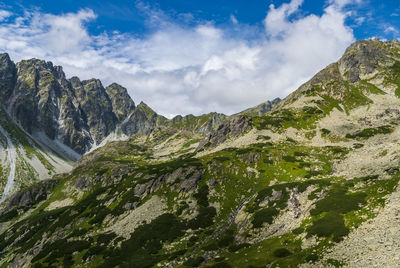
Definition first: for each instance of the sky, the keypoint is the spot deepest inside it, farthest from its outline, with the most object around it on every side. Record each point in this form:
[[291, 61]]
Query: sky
[[183, 57]]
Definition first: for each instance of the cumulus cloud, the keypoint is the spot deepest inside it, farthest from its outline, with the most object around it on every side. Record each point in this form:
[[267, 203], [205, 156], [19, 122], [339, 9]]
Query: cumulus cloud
[[180, 69]]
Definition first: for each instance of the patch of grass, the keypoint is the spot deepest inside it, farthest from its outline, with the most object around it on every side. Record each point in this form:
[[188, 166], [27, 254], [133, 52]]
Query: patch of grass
[[340, 201], [312, 258], [332, 224], [141, 250], [9, 215], [358, 145], [325, 131], [370, 132], [298, 230], [296, 153], [60, 249], [282, 252], [194, 262], [222, 158], [190, 142], [264, 215], [262, 137], [368, 178], [289, 158], [206, 214]]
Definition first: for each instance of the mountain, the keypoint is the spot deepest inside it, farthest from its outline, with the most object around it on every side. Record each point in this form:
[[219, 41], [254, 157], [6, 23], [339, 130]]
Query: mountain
[[49, 121], [312, 183]]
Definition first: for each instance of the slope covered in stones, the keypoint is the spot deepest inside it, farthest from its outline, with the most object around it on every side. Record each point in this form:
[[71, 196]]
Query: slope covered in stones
[[298, 186]]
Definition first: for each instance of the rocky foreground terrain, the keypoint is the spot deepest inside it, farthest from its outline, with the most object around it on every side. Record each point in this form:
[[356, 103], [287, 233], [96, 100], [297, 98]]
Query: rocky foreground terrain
[[313, 183]]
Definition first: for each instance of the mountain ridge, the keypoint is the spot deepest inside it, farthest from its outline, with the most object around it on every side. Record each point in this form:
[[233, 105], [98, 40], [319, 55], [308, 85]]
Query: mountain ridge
[[80, 113]]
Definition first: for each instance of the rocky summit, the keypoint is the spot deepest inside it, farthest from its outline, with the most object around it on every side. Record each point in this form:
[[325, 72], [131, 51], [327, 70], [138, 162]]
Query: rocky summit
[[308, 181]]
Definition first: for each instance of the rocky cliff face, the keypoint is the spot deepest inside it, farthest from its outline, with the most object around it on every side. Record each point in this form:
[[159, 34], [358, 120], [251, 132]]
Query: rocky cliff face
[[79, 114], [142, 121], [42, 100], [8, 77], [202, 124], [229, 129], [122, 104], [96, 106]]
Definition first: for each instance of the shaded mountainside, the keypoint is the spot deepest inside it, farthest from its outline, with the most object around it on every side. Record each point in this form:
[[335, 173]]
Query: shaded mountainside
[[313, 183]]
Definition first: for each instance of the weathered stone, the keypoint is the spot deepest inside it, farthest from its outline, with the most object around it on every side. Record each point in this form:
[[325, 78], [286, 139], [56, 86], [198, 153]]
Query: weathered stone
[[252, 158], [140, 189], [212, 183], [8, 77], [128, 206], [82, 183], [190, 184], [232, 128], [174, 175]]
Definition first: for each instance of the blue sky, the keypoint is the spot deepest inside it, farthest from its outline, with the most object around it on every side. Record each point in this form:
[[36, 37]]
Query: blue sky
[[128, 16], [184, 56]]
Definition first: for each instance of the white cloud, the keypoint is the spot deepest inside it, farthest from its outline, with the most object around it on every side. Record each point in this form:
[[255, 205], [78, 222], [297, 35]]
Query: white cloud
[[4, 14], [391, 29], [179, 69], [276, 21]]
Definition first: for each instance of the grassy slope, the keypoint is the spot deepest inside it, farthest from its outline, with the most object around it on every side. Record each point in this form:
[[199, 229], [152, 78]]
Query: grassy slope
[[285, 166]]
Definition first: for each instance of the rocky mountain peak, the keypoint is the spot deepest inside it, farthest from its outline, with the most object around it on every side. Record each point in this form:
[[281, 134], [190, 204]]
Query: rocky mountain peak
[[97, 108], [75, 81], [262, 108], [145, 109], [122, 103], [367, 67], [36, 65], [365, 57], [8, 76]]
